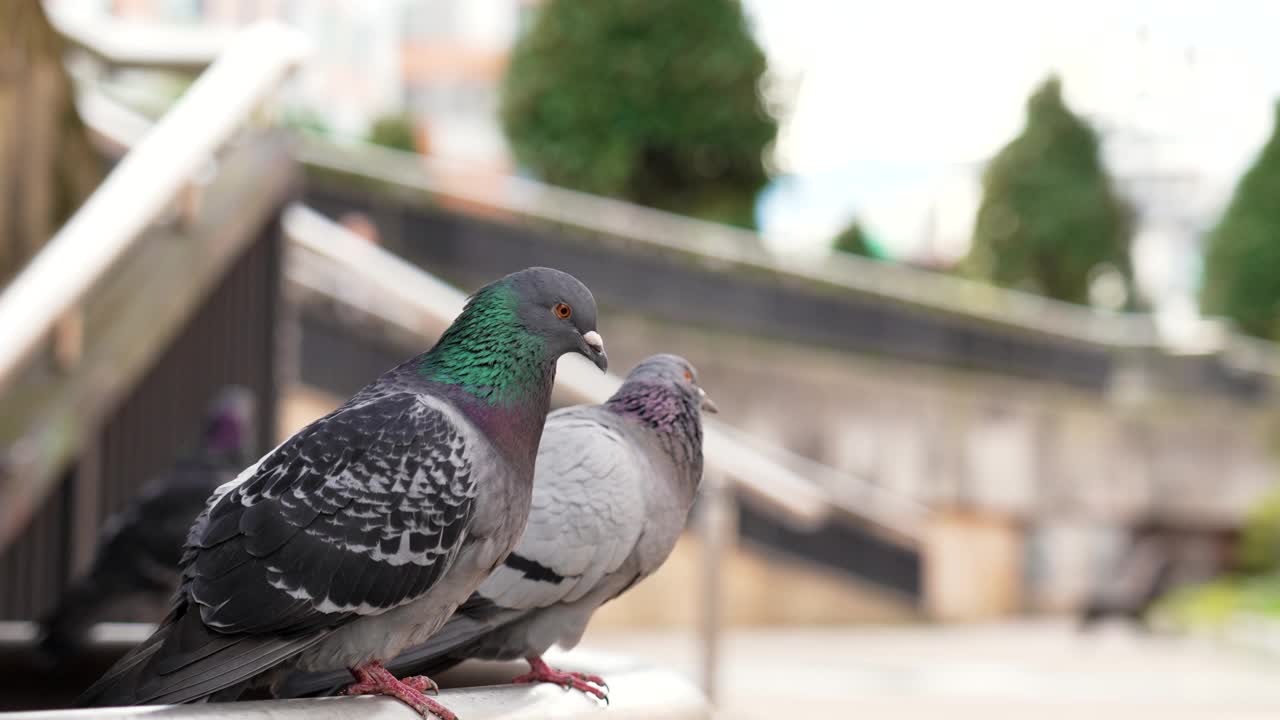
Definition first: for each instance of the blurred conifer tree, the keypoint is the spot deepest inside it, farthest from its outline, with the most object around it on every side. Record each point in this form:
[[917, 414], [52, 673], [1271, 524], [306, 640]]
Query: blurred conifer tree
[[855, 241], [1049, 216], [1242, 260], [653, 101], [396, 131]]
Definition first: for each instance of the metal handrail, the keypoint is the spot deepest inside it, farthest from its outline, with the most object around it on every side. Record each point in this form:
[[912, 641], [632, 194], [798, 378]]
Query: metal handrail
[[401, 284], [144, 184], [119, 126]]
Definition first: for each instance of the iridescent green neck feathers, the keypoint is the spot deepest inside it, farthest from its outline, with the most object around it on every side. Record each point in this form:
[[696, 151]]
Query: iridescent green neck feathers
[[488, 353]]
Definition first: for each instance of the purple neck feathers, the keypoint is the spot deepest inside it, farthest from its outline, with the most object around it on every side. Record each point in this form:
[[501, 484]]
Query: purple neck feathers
[[674, 416]]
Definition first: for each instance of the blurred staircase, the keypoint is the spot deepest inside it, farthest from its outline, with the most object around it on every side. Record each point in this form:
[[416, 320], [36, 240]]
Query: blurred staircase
[[163, 287]]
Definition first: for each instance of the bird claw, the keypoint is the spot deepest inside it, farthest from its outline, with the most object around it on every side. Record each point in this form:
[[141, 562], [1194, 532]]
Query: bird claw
[[581, 682], [593, 679], [422, 684], [373, 679]]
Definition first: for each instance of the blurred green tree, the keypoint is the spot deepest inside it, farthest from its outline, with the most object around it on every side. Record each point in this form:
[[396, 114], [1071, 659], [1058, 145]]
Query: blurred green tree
[[654, 101], [396, 131], [855, 241], [1242, 260], [1049, 217]]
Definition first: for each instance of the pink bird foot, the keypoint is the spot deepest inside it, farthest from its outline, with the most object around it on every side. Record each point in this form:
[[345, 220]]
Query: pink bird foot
[[540, 671], [373, 679]]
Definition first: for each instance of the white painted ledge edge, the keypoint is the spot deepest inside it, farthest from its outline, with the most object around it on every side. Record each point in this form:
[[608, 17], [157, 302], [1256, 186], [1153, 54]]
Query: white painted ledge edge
[[636, 692]]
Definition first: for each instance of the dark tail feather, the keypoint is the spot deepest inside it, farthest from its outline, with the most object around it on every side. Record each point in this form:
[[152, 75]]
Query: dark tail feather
[[184, 661], [118, 684]]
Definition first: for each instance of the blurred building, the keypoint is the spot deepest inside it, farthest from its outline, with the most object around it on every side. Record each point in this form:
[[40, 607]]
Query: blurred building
[[440, 60], [453, 55]]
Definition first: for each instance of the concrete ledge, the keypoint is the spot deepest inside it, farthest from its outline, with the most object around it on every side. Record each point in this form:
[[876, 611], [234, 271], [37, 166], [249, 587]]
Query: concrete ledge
[[474, 690]]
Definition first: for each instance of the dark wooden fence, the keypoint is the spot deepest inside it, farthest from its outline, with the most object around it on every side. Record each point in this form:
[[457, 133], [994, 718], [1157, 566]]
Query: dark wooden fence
[[231, 338]]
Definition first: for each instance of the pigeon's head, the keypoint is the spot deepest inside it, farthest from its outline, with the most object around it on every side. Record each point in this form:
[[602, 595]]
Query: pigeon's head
[[662, 394], [556, 307], [674, 374], [230, 425]]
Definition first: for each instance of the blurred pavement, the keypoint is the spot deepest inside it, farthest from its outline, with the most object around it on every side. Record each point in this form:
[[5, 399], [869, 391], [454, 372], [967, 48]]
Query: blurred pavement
[[1032, 670]]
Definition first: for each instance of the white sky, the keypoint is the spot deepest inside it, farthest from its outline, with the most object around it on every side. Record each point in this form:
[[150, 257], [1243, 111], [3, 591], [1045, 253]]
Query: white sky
[[895, 105]]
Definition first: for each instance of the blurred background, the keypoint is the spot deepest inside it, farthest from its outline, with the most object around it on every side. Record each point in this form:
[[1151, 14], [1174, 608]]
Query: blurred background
[[988, 289]]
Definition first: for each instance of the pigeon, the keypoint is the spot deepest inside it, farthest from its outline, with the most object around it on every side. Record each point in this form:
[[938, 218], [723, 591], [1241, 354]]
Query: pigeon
[[361, 534], [612, 491], [140, 547]]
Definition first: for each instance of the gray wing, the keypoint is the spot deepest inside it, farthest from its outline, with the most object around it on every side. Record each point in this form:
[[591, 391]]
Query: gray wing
[[360, 512], [355, 514], [587, 514]]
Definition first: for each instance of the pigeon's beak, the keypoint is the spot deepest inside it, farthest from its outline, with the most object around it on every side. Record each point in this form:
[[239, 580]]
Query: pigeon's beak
[[707, 403], [594, 349]]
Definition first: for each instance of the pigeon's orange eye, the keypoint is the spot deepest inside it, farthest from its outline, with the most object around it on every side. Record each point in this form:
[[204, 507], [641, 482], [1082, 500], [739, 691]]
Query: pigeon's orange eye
[[688, 376], [562, 311]]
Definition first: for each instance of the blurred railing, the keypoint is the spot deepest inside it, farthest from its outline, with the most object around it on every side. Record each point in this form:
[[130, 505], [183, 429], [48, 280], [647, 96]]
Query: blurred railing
[[76, 291], [163, 169]]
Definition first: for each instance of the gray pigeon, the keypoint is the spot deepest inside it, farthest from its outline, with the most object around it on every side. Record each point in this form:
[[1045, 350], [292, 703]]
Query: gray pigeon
[[612, 490], [139, 548], [358, 537]]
